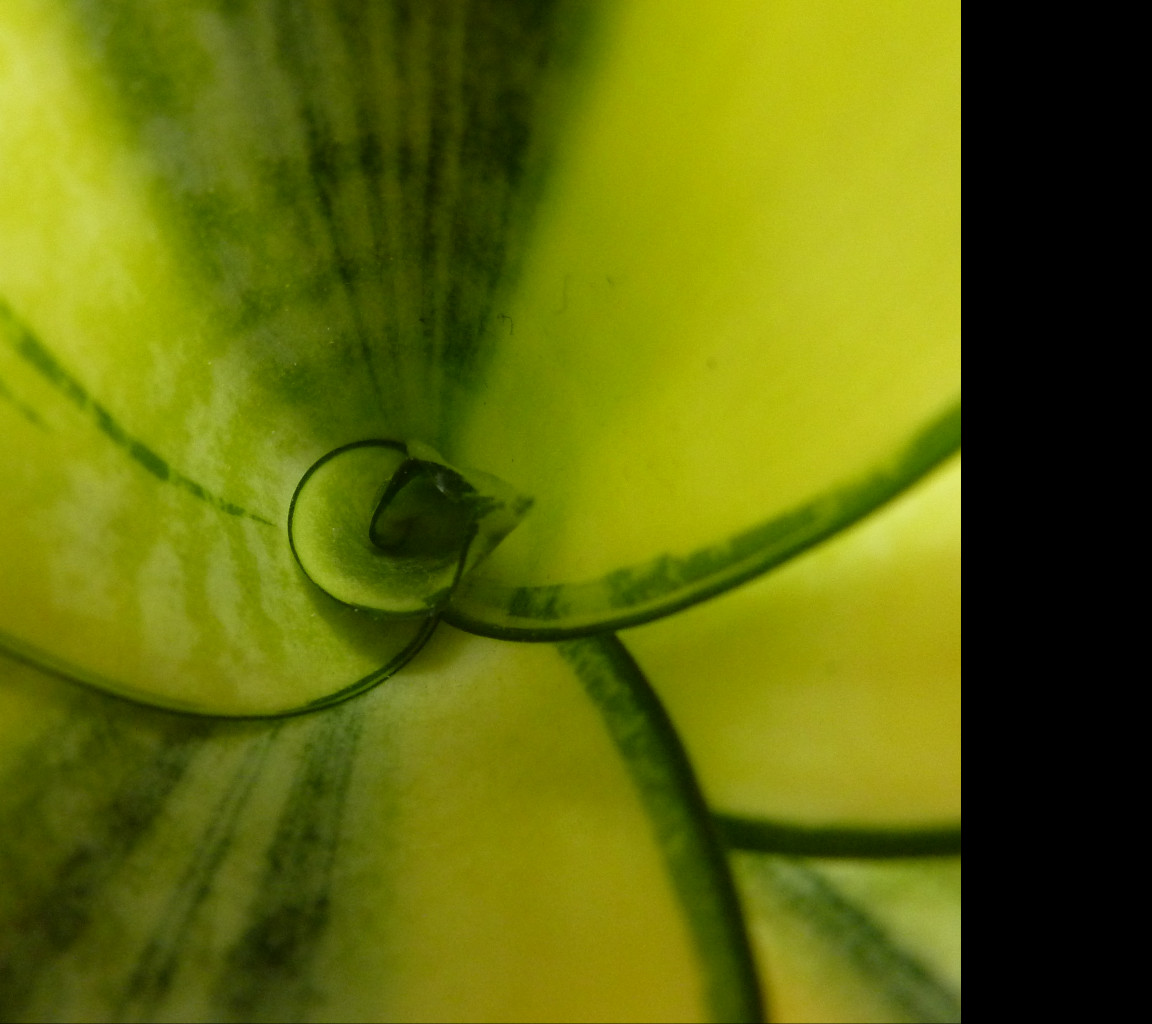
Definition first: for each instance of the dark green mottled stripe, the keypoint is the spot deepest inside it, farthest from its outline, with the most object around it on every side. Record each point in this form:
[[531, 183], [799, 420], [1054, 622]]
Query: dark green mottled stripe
[[366, 36], [856, 939], [36, 354], [696, 863], [151, 979], [25, 410], [85, 796], [245, 216], [743, 833], [402, 294], [327, 162], [267, 972]]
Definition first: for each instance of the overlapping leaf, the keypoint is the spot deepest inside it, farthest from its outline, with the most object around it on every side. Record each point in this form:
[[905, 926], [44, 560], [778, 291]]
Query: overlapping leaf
[[690, 282]]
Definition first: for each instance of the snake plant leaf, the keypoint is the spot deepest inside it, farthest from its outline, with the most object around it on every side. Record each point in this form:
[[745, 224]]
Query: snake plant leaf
[[852, 940], [828, 693], [121, 571], [475, 841], [196, 304], [635, 302], [738, 329], [665, 306]]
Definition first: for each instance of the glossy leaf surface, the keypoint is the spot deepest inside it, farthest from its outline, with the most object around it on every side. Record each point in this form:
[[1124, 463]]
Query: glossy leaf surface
[[854, 941], [464, 844], [830, 690], [739, 261], [239, 236], [687, 279]]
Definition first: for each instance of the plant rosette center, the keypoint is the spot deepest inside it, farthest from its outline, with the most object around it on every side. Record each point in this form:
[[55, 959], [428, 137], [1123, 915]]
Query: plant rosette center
[[390, 527]]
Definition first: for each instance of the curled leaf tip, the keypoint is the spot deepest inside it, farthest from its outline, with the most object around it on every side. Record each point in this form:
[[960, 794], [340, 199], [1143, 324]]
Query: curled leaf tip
[[391, 527]]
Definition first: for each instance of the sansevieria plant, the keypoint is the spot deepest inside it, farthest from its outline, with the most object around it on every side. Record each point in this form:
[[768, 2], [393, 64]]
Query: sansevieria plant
[[479, 510]]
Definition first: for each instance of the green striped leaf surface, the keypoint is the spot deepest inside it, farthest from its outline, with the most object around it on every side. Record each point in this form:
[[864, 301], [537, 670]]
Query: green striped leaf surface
[[685, 278]]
